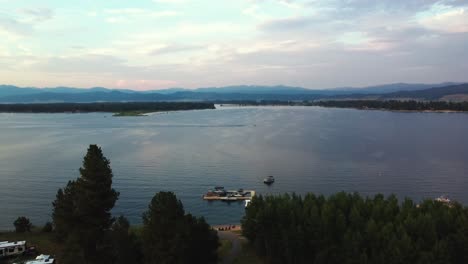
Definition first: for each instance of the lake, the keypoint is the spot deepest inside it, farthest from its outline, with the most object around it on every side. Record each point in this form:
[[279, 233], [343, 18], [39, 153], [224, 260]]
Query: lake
[[307, 149]]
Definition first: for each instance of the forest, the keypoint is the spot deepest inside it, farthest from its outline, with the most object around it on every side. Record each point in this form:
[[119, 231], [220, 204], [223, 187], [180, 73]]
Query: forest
[[395, 105], [341, 228], [117, 107], [85, 231], [350, 228]]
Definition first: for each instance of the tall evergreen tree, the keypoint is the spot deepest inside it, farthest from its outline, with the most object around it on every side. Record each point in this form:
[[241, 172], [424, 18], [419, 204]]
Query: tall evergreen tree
[[170, 236], [63, 214], [163, 223], [82, 214], [348, 228], [127, 248]]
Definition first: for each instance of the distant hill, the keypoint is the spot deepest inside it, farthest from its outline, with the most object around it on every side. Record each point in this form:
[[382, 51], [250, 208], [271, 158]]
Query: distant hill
[[253, 89], [13, 94], [80, 90], [7, 90], [393, 87], [116, 96], [100, 96], [439, 93]]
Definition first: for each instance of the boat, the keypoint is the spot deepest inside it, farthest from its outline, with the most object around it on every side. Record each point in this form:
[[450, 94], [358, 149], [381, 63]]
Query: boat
[[42, 259], [443, 199], [269, 180], [219, 193], [229, 198], [247, 202], [219, 190]]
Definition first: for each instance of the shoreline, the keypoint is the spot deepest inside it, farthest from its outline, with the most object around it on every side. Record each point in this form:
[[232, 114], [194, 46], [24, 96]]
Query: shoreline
[[36, 229], [228, 227], [355, 108], [400, 111]]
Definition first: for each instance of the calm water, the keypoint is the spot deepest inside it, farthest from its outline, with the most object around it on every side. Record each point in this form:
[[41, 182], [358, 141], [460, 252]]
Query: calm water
[[320, 150]]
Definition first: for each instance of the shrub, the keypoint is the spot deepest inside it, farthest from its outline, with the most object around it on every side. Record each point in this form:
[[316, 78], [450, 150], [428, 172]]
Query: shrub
[[47, 227], [22, 224]]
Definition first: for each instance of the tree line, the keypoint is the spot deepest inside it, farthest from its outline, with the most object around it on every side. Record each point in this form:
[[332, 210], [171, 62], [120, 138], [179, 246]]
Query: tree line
[[104, 107], [349, 228], [84, 225], [342, 228], [395, 105]]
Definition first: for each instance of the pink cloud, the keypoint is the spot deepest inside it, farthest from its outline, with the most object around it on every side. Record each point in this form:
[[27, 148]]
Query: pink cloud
[[144, 85]]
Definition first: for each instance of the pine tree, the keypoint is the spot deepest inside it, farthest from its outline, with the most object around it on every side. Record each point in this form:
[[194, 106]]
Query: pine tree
[[22, 224], [163, 223], [170, 236], [63, 214], [125, 244], [81, 215]]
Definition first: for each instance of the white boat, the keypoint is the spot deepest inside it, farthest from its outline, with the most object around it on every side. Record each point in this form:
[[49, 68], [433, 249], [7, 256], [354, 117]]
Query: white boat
[[41, 259], [443, 199], [229, 198], [247, 202], [269, 180]]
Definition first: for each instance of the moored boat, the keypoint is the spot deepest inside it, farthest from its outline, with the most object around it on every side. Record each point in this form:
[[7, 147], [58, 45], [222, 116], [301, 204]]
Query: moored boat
[[443, 199], [229, 198], [269, 180]]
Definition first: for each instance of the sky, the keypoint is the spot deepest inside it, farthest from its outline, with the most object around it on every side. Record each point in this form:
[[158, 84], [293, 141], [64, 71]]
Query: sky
[[154, 44]]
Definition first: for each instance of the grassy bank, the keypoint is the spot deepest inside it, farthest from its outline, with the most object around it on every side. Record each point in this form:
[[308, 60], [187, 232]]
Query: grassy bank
[[44, 242], [131, 113], [124, 108], [247, 255], [224, 248]]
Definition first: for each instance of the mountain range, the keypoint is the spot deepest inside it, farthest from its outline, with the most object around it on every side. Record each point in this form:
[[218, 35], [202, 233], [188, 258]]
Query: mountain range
[[440, 91]]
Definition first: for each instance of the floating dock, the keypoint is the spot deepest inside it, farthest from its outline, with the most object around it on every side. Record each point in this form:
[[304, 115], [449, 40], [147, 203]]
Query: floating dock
[[229, 195]]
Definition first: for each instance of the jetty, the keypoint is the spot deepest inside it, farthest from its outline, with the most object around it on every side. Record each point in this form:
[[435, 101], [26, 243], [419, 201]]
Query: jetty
[[220, 194]]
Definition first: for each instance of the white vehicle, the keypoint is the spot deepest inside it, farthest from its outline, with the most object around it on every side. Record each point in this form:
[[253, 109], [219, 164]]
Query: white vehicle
[[12, 248], [41, 259]]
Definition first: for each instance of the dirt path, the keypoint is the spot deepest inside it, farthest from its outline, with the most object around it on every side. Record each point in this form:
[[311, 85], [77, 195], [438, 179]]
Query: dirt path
[[236, 245]]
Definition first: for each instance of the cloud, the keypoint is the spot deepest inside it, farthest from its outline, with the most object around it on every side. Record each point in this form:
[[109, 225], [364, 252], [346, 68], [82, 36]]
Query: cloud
[[106, 70], [174, 48], [170, 1], [130, 14], [14, 28], [453, 20], [87, 63], [144, 84], [276, 46], [140, 12], [38, 14], [185, 29], [253, 11], [249, 41], [285, 24]]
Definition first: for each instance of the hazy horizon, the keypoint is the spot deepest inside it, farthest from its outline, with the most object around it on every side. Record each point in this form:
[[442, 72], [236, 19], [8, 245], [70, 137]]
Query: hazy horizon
[[156, 44], [229, 85]]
